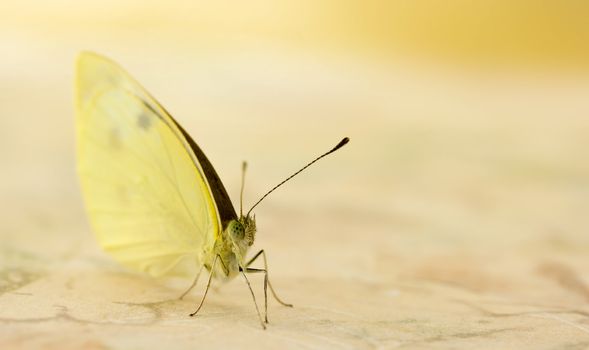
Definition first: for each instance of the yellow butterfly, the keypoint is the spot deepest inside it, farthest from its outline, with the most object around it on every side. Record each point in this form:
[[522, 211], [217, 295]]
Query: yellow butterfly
[[154, 200]]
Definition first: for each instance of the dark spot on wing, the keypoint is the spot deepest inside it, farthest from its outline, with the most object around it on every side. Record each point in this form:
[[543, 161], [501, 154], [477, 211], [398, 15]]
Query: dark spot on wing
[[151, 108], [144, 121]]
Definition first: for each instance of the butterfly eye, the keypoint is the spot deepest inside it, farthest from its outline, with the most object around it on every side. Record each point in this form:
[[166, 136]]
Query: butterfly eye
[[236, 230]]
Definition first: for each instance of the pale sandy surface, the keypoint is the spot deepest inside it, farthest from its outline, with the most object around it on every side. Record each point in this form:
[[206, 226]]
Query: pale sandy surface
[[455, 219]]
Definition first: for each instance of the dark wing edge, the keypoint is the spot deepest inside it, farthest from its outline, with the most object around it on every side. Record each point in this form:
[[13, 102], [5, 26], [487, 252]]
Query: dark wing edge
[[224, 205]]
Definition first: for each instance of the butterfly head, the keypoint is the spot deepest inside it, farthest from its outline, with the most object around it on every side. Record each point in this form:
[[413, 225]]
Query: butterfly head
[[243, 230]]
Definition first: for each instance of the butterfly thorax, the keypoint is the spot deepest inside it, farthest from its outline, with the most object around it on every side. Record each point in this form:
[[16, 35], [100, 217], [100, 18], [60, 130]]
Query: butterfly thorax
[[231, 248]]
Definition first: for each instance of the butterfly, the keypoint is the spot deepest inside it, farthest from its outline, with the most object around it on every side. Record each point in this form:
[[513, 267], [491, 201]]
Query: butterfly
[[154, 200]]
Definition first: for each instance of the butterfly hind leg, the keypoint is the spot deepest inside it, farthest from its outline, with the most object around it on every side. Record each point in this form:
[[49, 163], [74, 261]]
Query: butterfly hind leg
[[202, 300], [193, 284]]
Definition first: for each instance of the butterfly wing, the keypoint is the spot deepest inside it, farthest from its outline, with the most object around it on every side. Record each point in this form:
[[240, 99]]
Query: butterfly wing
[[146, 193]]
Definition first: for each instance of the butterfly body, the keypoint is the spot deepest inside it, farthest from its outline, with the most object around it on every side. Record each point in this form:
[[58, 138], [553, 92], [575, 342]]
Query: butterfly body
[[231, 248]]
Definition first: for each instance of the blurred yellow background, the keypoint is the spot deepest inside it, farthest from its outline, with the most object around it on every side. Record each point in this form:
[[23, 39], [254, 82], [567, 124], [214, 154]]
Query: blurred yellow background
[[455, 216], [512, 31]]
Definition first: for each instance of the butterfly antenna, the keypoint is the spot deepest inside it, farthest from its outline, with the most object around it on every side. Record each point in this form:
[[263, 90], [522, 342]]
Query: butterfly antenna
[[243, 168], [338, 146]]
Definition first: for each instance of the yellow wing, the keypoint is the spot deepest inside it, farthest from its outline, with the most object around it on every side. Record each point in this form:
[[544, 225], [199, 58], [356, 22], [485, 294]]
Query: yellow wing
[[148, 200]]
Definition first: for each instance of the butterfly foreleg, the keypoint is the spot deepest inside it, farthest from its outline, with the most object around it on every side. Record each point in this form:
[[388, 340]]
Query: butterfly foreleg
[[253, 297], [250, 270], [263, 254]]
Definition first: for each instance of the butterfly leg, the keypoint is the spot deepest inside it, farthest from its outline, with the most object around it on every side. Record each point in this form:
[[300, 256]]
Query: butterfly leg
[[254, 297], [193, 283], [209, 282], [263, 254]]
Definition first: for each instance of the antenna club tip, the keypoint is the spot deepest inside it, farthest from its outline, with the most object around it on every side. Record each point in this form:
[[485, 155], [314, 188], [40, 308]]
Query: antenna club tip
[[339, 145], [342, 143]]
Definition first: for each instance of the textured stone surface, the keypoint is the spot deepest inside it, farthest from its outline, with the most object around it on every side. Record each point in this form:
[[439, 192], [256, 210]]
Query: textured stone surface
[[456, 218]]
